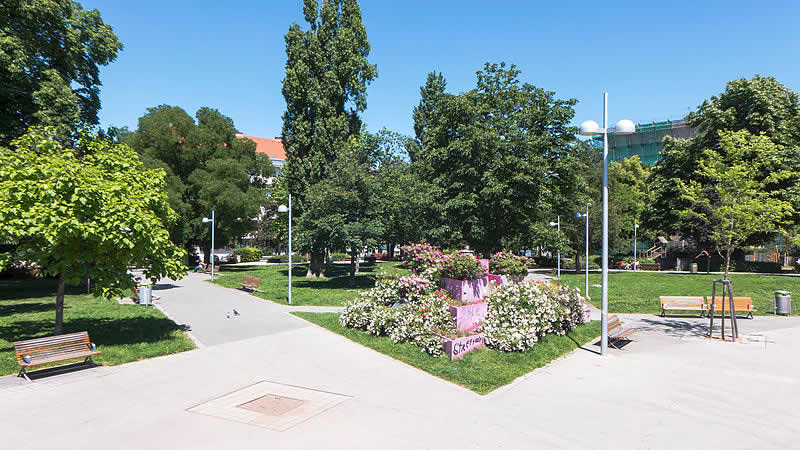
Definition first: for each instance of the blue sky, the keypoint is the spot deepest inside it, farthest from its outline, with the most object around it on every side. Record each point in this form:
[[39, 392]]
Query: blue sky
[[657, 60]]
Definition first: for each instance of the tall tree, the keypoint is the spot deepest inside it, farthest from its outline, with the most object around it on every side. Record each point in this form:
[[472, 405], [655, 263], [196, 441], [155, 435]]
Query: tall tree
[[760, 105], [327, 74], [489, 152], [50, 57], [736, 202], [92, 210], [431, 95], [630, 196], [208, 168]]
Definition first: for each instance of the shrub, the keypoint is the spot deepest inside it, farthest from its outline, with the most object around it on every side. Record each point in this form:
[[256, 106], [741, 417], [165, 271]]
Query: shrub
[[403, 308], [296, 259], [248, 254], [520, 314], [507, 263], [461, 266], [340, 256], [424, 259], [754, 266]]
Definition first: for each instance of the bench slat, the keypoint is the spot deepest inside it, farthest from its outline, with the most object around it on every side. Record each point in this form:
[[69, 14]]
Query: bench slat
[[63, 358]]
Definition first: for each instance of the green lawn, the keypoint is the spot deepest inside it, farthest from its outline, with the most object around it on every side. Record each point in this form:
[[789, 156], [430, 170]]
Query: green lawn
[[482, 370], [638, 292], [333, 290], [123, 333]]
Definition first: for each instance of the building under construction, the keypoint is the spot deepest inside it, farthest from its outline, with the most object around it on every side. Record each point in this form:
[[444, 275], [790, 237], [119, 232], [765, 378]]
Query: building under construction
[[646, 141]]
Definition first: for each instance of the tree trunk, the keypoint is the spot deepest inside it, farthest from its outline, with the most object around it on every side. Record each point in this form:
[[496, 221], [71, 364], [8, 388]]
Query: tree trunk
[[727, 263], [390, 250], [577, 263], [316, 265], [59, 306], [355, 258], [206, 252], [353, 268]]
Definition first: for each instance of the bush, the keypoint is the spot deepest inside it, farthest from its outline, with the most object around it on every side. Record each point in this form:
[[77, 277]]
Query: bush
[[507, 263], [462, 266], [520, 314], [403, 308], [423, 258], [340, 257], [752, 266], [248, 254]]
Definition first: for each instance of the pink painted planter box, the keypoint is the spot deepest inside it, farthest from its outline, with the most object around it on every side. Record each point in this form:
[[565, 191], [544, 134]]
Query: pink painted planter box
[[457, 348], [469, 317], [587, 315], [506, 279], [496, 278], [467, 290], [484, 263]]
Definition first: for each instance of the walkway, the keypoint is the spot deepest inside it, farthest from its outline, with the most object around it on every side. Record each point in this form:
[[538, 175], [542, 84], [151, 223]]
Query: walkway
[[669, 389]]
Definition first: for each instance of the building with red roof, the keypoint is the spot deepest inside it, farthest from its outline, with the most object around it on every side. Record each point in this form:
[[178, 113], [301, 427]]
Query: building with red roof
[[273, 148]]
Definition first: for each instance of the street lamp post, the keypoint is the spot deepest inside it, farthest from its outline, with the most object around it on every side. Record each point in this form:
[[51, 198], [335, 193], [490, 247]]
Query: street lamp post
[[207, 220], [591, 128], [284, 209], [558, 224], [586, 263], [635, 227]]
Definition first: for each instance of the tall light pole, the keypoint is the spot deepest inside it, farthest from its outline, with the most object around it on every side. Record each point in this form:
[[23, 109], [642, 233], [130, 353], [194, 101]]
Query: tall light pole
[[207, 220], [635, 227], [591, 128], [284, 209], [558, 224], [586, 264]]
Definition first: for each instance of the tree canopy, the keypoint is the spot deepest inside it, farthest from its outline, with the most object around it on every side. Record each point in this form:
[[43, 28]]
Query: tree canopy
[[327, 74], [495, 154], [50, 57], [92, 210], [208, 167]]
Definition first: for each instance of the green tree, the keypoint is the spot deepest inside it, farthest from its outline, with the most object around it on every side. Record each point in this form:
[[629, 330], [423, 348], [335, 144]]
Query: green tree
[[341, 207], [208, 167], [736, 202], [494, 153], [92, 210], [327, 73], [50, 57], [630, 197], [760, 105]]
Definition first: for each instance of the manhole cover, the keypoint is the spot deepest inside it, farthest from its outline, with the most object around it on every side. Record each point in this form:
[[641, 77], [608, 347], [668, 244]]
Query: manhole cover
[[272, 405]]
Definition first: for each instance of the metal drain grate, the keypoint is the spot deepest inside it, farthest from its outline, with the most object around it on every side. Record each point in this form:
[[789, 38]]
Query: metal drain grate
[[272, 405]]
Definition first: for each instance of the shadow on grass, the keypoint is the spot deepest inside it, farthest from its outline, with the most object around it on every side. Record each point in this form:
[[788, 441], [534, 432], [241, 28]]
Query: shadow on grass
[[26, 308], [32, 288], [102, 331]]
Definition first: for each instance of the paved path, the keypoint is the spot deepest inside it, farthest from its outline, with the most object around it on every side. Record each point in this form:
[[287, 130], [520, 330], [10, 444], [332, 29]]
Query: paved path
[[671, 388], [211, 310]]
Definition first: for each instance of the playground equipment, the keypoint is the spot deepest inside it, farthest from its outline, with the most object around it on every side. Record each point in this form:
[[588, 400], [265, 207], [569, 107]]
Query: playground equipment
[[727, 293]]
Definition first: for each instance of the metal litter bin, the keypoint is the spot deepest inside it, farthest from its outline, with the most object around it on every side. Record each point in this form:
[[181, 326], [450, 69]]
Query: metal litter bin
[[145, 293], [693, 267], [783, 303]]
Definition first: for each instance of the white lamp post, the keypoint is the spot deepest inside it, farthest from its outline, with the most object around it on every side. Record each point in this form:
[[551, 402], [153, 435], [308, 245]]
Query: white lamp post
[[591, 128], [284, 209], [558, 224], [635, 227], [586, 263], [207, 220]]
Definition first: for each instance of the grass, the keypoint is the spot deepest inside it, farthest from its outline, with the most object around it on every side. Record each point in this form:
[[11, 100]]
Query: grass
[[333, 290], [123, 333], [638, 292], [482, 370]]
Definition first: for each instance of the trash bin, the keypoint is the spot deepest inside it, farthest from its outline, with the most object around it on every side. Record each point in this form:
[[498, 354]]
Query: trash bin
[[693, 267], [783, 303], [145, 293]]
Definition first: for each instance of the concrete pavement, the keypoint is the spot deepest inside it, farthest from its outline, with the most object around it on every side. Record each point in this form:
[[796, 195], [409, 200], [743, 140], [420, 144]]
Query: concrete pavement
[[671, 388]]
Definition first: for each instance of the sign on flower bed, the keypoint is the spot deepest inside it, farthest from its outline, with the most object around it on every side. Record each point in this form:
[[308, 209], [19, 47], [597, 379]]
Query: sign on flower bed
[[456, 345], [468, 315]]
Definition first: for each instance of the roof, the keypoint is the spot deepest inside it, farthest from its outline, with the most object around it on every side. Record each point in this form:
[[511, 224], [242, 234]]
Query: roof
[[271, 147]]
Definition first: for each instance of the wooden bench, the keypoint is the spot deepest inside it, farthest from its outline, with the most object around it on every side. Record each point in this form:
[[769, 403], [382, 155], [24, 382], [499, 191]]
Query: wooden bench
[[249, 282], [616, 332], [683, 304], [650, 266], [52, 349], [207, 269], [742, 305]]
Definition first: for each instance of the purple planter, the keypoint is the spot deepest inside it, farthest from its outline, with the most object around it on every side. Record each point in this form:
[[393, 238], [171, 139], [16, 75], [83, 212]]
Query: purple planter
[[467, 290], [469, 317], [484, 263], [496, 278], [587, 315], [457, 348]]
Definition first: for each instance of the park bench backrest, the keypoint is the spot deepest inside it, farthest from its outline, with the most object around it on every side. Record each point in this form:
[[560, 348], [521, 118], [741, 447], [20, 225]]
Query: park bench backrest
[[740, 303], [52, 347], [682, 301], [613, 324], [249, 281]]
